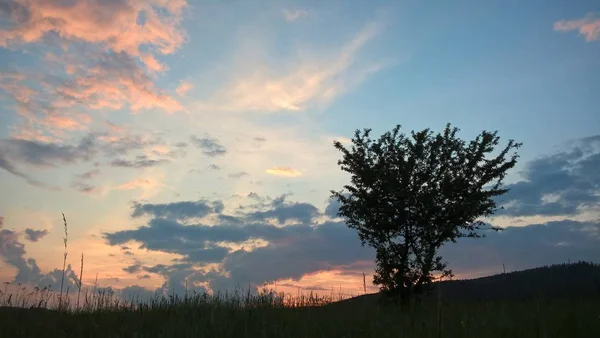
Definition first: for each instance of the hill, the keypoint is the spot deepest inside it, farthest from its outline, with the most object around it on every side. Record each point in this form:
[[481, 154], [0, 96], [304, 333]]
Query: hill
[[576, 280]]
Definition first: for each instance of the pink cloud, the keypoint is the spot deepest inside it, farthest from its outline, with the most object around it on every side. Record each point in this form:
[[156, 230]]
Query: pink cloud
[[113, 82], [183, 88], [113, 24], [136, 32], [589, 26]]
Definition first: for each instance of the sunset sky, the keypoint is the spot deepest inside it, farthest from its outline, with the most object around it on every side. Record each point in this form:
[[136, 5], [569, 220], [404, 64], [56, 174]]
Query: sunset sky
[[194, 140]]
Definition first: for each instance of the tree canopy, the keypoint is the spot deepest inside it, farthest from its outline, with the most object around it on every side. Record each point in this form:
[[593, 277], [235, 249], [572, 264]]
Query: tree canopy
[[408, 195]]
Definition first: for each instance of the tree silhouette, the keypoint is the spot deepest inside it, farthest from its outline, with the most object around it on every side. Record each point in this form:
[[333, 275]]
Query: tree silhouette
[[410, 195]]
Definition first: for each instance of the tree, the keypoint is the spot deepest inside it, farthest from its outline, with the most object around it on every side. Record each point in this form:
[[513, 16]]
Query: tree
[[410, 195]]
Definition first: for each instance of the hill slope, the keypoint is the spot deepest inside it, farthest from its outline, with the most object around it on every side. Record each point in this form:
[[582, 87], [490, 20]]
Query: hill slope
[[576, 280]]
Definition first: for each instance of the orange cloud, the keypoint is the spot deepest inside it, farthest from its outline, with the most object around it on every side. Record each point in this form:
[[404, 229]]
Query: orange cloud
[[284, 171], [110, 23], [589, 26], [134, 31], [149, 186], [113, 82], [183, 88]]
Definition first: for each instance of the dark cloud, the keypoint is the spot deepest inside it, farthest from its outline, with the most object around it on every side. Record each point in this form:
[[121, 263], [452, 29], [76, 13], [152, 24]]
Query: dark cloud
[[133, 268], [308, 249], [46, 154], [35, 235], [82, 187], [88, 175], [140, 161], [37, 154], [12, 251], [137, 294], [181, 145], [293, 250], [214, 167], [144, 276], [238, 174], [210, 146], [333, 207], [305, 246], [8, 166], [526, 247], [123, 145], [283, 212], [42, 154], [260, 139], [180, 278], [176, 210], [560, 184]]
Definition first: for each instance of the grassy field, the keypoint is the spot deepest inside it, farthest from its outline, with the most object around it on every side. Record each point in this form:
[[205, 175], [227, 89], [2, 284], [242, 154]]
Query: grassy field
[[264, 315]]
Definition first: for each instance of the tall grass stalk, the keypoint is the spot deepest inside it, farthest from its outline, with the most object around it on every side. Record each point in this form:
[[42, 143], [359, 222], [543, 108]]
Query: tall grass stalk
[[62, 281]]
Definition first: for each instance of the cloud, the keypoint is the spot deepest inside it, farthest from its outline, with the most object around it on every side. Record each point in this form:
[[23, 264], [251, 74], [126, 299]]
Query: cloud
[[239, 174], [210, 146], [13, 252], [137, 294], [100, 55], [35, 235], [588, 26], [133, 268], [250, 248], [200, 244], [112, 24], [83, 187], [146, 184], [214, 166], [284, 212], [526, 247], [112, 81], [88, 175], [293, 15], [176, 210], [305, 82], [283, 171], [564, 183], [40, 155], [9, 167], [43, 154], [141, 161], [183, 88]]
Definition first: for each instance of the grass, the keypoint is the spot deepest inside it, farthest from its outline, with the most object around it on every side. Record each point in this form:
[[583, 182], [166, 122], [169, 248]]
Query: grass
[[266, 316], [43, 312]]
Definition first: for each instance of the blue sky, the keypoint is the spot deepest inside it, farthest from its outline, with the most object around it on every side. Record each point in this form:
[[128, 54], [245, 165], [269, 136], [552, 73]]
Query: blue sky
[[217, 118]]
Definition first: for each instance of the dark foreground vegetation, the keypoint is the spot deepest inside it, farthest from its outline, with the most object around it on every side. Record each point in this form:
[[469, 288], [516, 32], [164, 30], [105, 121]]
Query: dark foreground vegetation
[[536, 305]]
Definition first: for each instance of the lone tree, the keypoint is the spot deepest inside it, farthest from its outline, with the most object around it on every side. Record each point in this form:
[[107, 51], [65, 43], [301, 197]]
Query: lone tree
[[411, 194]]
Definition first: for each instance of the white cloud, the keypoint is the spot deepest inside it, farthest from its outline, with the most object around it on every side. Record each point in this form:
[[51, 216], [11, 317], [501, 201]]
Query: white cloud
[[295, 14], [301, 83]]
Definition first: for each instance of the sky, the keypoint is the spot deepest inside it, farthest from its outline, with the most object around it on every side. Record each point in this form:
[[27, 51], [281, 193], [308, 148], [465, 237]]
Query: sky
[[192, 142]]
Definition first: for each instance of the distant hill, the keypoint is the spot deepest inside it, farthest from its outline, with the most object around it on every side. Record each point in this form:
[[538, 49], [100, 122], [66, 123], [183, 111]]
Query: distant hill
[[576, 280]]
